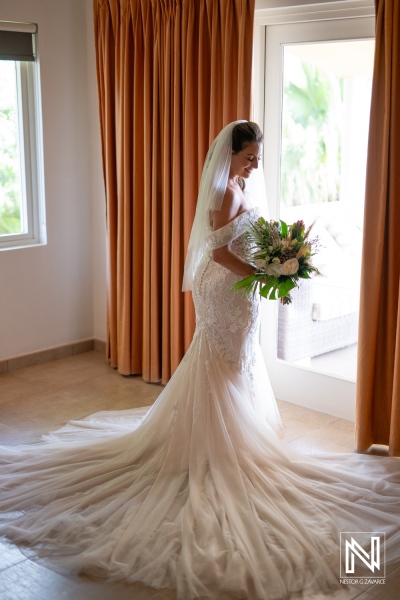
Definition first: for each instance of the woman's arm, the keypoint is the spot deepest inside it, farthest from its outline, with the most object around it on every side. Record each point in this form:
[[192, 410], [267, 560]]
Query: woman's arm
[[231, 207]]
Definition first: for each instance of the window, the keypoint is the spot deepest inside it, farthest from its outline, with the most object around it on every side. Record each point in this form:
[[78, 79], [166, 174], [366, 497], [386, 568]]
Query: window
[[22, 218], [307, 34]]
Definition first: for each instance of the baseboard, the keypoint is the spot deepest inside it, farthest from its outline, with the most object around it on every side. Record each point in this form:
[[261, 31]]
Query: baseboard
[[100, 345], [15, 363]]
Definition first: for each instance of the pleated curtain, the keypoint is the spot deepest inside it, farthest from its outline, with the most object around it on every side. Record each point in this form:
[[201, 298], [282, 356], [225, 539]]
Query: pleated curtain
[[171, 74], [378, 379]]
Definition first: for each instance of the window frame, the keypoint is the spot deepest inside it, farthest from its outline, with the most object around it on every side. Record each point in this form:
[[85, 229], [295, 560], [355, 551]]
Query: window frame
[[305, 383], [31, 160]]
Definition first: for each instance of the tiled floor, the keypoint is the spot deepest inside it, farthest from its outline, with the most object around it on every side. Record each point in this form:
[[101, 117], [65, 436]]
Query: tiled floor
[[38, 399]]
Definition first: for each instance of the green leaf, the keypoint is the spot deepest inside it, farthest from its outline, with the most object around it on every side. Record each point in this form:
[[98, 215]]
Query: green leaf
[[285, 287], [304, 275], [269, 285], [244, 283]]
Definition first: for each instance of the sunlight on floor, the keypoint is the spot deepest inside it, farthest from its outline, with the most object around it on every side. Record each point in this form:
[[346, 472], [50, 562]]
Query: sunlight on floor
[[340, 363]]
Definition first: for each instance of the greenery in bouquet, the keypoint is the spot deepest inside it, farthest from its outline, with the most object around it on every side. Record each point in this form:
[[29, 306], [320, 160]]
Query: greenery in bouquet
[[282, 255]]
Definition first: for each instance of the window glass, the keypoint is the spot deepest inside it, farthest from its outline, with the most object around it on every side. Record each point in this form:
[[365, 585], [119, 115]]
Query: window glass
[[11, 189], [22, 218]]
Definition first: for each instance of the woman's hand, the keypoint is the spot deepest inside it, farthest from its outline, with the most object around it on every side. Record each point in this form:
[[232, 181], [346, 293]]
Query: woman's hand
[[228, 259]]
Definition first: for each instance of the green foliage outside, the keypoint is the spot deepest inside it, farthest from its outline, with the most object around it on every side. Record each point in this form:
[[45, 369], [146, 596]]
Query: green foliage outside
[[311, 135], [10, 187]]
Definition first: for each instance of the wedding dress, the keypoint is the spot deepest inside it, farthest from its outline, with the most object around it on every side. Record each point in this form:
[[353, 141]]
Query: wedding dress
[[198, 493]]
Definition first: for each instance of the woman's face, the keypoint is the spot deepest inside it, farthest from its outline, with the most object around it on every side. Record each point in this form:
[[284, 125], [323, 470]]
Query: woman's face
[[243, 162]]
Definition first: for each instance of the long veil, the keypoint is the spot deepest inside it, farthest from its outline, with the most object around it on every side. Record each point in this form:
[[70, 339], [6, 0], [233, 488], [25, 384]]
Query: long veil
[[211, 192], [212, 189]]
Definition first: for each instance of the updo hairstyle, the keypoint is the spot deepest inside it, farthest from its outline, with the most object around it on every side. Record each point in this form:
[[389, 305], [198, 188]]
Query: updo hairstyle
[[244, 134]]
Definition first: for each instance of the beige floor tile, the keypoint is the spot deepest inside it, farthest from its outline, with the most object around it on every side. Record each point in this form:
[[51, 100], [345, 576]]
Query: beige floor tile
[[11, 387], [59, 373], [9, 555], [8, 433], [289, 434], [304, 414], [28, 580], [114, 384], [309, 426], [341, 432], [126, 395], [27, 428], [30, 400], [13, 419], [169, 594], [26, 440], [311, 444], [49, 379], [30, 415], [83, 391], [44, 397], [122, 401]]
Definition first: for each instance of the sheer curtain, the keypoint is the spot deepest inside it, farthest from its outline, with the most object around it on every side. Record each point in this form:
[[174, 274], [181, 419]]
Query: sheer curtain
[[378, 382], [170, 74]]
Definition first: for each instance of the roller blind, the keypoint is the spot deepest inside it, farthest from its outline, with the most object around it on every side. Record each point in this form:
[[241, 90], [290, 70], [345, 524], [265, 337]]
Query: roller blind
[[17, 45]]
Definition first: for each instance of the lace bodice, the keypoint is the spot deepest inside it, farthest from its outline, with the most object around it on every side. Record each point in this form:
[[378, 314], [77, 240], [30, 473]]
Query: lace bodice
[[229, 318], [233, 231]]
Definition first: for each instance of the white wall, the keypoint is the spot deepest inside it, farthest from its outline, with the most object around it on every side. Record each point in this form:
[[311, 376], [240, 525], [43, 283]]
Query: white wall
[[55, 294], [99, 260]]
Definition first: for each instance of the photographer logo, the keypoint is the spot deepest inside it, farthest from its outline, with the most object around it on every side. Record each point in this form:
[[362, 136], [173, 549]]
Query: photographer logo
[[362, 557]]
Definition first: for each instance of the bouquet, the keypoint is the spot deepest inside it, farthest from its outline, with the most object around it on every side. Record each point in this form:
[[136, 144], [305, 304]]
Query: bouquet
[[282, 254]]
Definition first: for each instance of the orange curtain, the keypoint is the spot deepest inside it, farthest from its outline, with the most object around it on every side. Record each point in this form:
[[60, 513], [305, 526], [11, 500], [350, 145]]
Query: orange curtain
[[378, 381], [171, 74]]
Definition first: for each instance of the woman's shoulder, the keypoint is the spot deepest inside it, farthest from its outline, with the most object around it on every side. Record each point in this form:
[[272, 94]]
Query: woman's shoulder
[[221, 236], [232, 201], [231, 207]]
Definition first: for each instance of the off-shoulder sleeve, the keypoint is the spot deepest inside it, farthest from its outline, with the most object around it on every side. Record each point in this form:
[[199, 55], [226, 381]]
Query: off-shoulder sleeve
[[230, 231]]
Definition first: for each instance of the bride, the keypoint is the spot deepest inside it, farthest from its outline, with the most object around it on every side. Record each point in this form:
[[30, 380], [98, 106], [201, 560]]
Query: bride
[[198, 493]]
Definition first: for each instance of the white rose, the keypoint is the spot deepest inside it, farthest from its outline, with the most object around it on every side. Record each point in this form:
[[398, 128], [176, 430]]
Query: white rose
[[290, 267], [259, 263], [274, 270]]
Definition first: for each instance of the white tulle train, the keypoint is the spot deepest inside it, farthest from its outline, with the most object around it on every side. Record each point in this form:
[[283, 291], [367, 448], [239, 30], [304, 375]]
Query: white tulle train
[[198, 493]]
